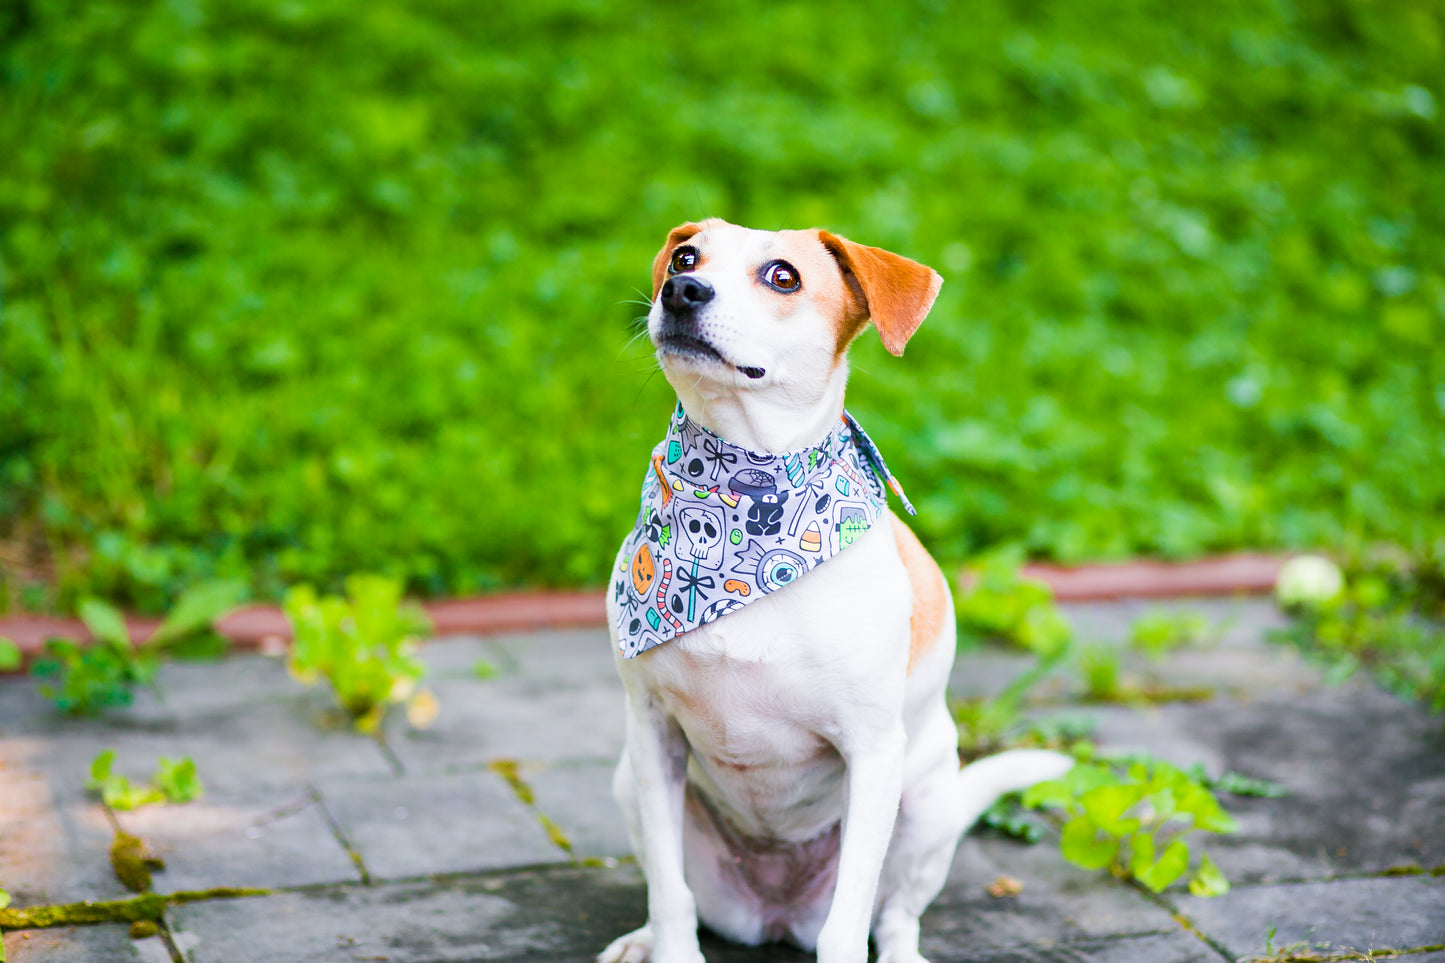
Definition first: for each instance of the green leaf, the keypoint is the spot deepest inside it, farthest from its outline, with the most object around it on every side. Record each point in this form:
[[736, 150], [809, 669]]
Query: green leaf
[[1198, 802], [1106, 806], [197, 608], [9, 655], [1081, 846], [178, 780], [1170, 866], [105, 623], [1054, 792], [1208, 879], [100, 768], [1141, 854]]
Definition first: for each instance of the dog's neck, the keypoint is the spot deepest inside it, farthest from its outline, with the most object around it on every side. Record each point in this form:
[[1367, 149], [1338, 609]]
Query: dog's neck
[[773, 420]]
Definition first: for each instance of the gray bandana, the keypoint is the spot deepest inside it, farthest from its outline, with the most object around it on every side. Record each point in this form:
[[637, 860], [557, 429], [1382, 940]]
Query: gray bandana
[[721, 526]]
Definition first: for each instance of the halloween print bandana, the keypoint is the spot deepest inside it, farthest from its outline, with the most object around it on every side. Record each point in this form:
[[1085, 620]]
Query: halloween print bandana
[[721, 526]]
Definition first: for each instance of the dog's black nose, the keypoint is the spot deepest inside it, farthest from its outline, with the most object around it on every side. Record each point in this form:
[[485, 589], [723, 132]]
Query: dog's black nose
[[685, 294]]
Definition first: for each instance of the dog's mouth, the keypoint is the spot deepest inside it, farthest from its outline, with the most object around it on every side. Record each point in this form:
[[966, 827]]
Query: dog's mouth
[[691, 346]]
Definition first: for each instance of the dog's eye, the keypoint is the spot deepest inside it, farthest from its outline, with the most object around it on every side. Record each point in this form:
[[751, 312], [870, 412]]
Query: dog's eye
[[782, 276], [684, 259]]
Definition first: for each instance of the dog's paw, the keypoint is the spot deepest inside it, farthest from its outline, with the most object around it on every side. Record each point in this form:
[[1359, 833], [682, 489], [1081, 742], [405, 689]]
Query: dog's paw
[[635, 947]]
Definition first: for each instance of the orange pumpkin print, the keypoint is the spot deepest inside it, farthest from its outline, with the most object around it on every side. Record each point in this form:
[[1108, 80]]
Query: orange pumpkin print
[[644, 572]]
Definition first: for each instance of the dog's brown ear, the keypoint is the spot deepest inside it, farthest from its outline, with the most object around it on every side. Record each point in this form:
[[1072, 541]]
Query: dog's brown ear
[[894, 291], [659, 264]]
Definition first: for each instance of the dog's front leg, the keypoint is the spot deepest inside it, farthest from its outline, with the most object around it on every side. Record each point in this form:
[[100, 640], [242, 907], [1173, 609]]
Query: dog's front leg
[[875, 784], [657, 755]]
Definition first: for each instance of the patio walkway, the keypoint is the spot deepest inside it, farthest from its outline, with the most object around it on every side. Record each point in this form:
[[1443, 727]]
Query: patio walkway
[[423, 848]]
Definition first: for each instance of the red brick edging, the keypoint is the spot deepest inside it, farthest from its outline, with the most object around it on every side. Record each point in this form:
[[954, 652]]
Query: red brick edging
[[250, 627]]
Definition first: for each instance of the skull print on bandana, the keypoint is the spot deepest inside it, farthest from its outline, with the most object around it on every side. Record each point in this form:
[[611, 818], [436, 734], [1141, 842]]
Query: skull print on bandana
[[720, 526]]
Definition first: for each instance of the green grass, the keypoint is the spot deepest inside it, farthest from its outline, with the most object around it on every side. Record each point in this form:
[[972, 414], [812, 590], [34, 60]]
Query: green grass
[[295, 289]]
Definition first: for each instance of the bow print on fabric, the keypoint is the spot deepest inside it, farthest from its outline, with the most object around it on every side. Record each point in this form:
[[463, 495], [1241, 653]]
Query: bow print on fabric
[[720, 526]]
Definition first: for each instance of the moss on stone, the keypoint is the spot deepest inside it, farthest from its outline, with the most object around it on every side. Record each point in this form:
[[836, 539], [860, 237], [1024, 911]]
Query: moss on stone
[[148, 906]]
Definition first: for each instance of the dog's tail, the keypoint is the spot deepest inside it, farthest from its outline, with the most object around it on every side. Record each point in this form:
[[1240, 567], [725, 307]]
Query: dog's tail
[[984, 781]]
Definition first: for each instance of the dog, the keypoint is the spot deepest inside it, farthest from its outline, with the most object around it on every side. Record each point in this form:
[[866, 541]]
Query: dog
[[790, 769]]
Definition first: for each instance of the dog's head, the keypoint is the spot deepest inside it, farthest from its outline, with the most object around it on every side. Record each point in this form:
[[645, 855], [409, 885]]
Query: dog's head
[[770, 314]]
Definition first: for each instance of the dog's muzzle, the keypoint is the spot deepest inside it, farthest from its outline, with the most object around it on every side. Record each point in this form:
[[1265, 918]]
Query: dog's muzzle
[[681, 297]]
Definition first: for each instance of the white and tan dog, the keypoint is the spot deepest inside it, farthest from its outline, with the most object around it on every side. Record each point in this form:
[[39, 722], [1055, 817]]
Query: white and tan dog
[[791, 770]]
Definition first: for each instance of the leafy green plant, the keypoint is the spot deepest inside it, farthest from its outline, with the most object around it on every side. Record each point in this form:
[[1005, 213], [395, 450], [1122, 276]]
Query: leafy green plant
[[175, 781], [103, 674], [998, 602], [1132, 817], [10, 658], [1377, 618], [1158, 633], [84, 679], [363, 645], [1098, 668]]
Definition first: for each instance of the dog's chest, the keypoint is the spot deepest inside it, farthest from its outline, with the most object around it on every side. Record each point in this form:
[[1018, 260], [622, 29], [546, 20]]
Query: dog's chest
[[765, 696], [757, 749]]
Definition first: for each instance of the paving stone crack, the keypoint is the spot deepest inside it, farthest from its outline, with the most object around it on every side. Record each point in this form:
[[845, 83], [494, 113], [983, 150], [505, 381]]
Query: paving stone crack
[[510, 771], [1185, 923], [340, 834]]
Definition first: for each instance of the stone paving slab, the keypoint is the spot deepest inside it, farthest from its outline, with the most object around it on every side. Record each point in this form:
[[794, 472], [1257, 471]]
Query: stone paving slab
[[1058, 903], [83, 944], [481, 721], [260, 838], [462, 822], [560, 915], [1165, 948], [52, 850], [569, 660], [1351, 914], [578, 797], [199, 690], [1364, 771], [566, 915], [282, 743]]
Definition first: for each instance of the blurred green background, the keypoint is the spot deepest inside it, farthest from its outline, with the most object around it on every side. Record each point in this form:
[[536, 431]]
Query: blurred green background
[[295, 289]]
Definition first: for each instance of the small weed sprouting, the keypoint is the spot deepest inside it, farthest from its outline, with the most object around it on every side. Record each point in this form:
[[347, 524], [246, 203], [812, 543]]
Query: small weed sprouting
[[175, 781], [1098, 668], [1159, 632], [1130, 816], [1235, 784], [363, 646], [984, 723], [9, 655], [178, 780], [85, 679], [999, 603]]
